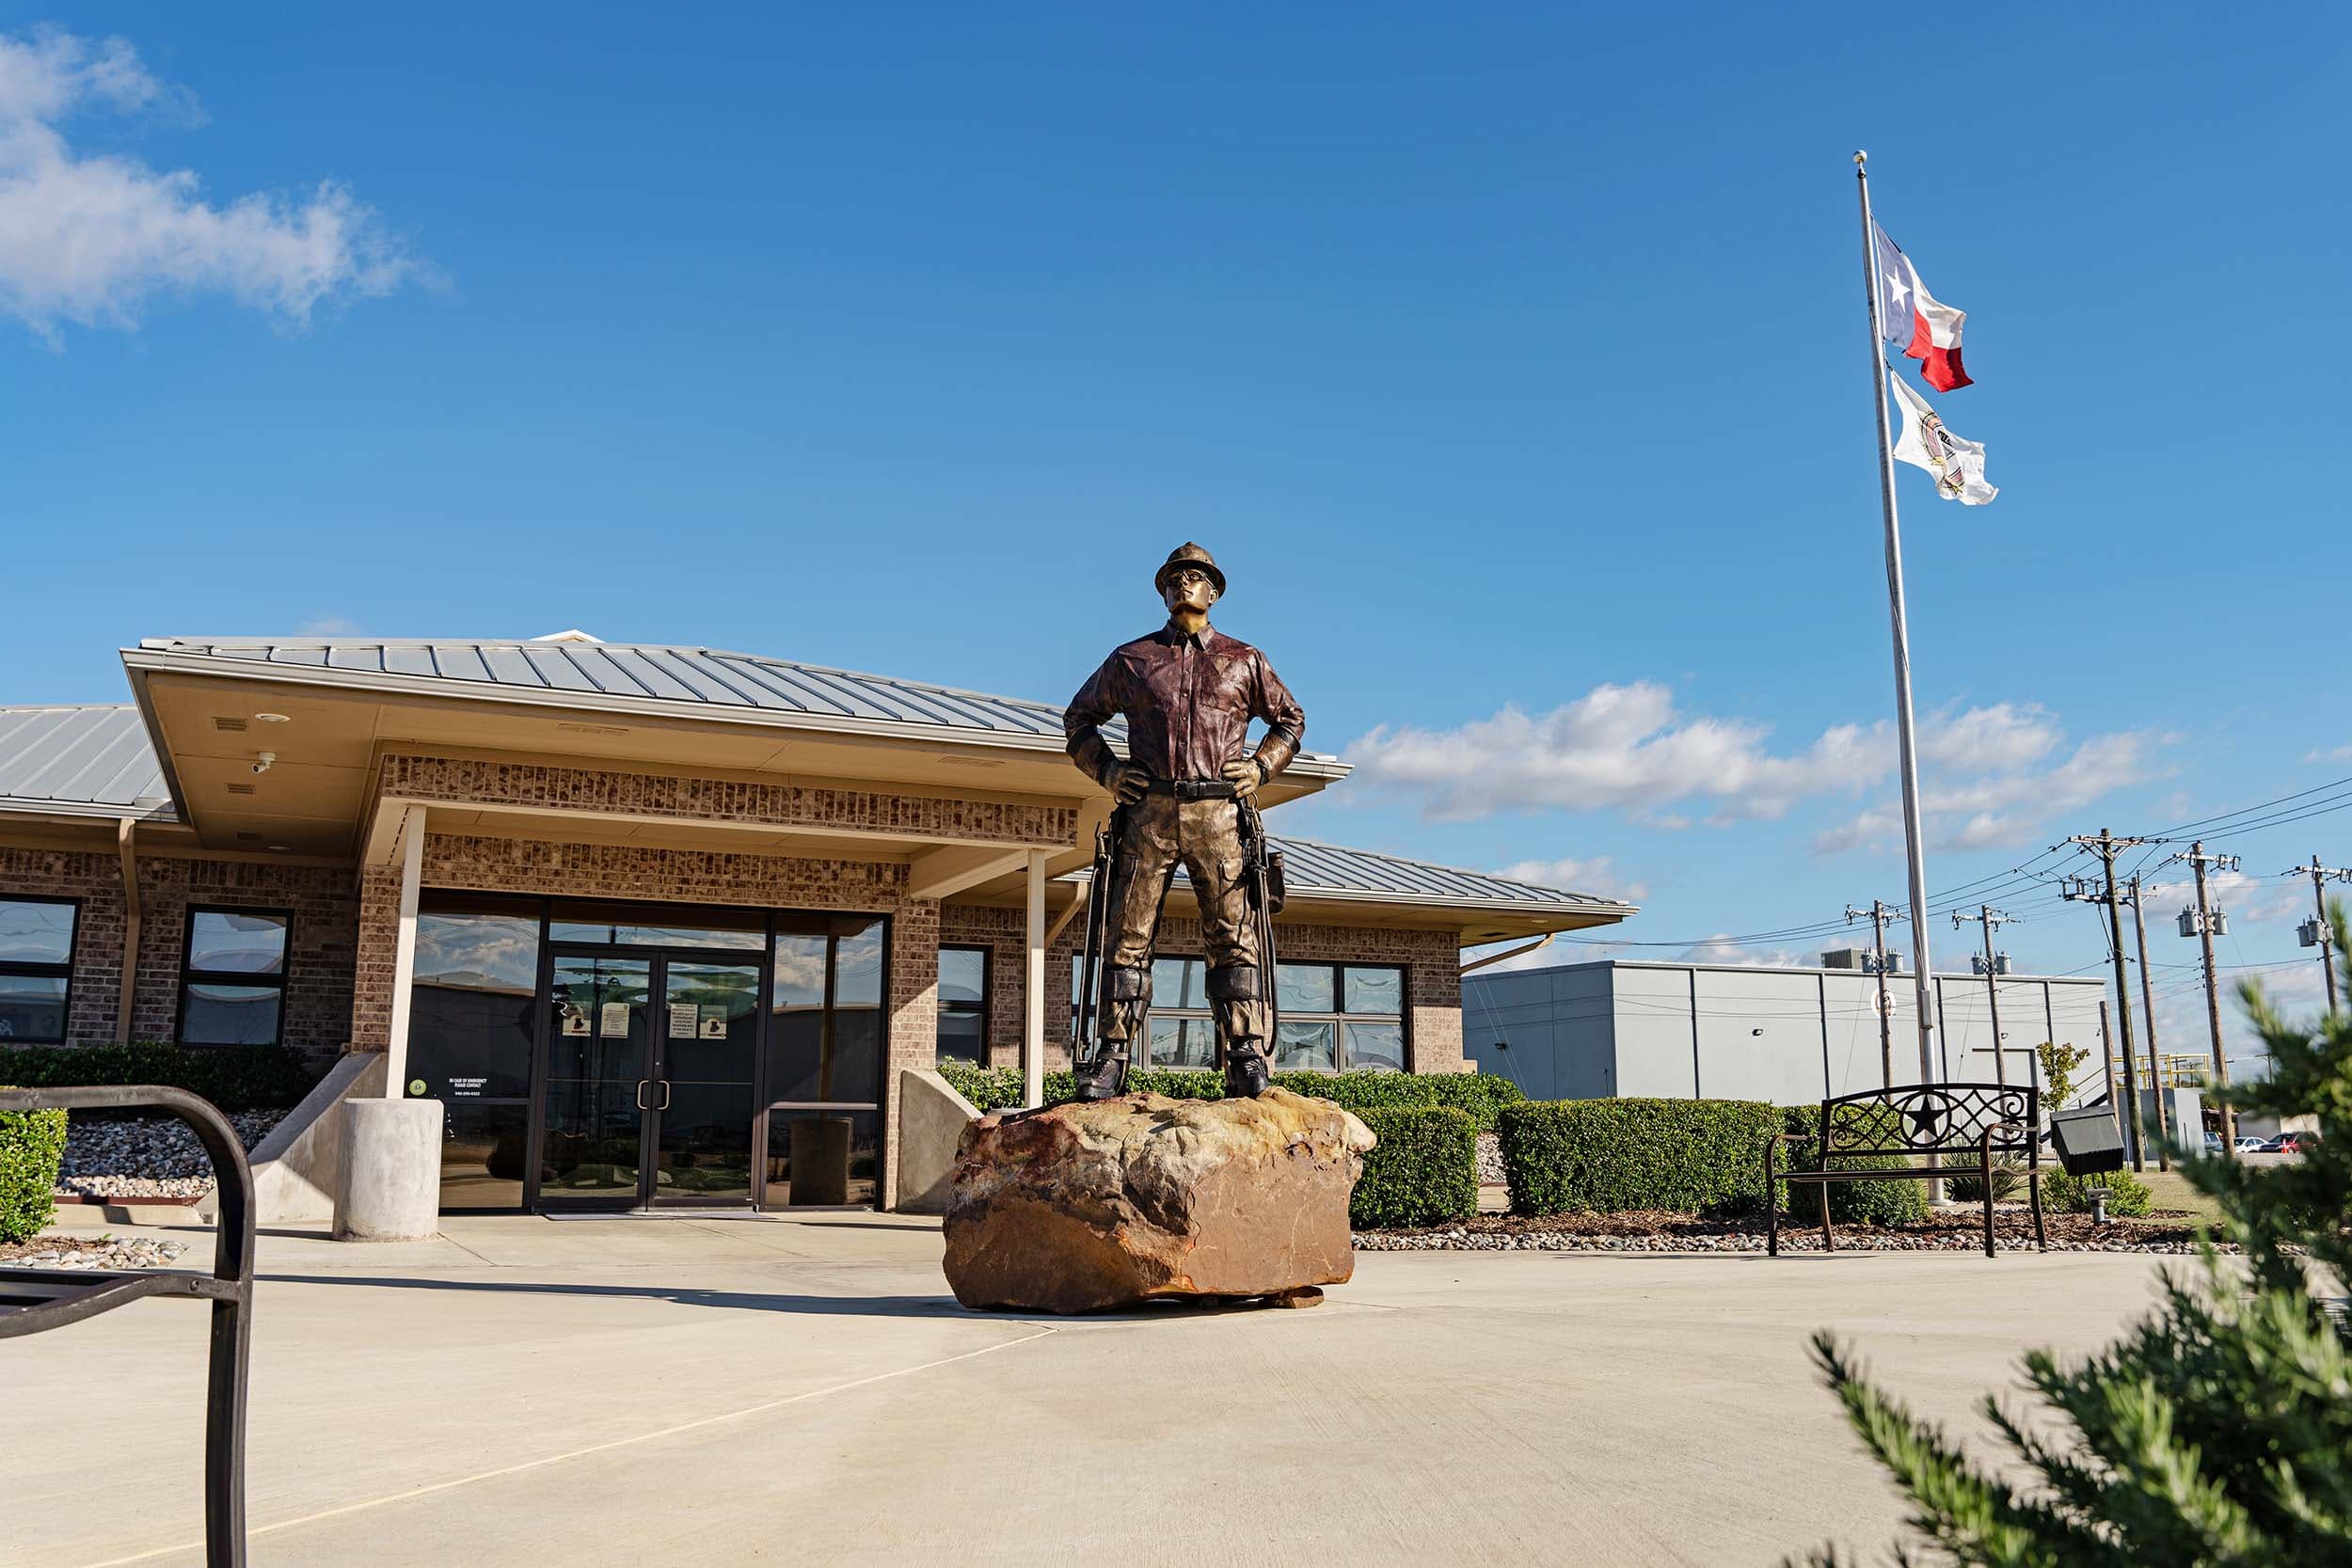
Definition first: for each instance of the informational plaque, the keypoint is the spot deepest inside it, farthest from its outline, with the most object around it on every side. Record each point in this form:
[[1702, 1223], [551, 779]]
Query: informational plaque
[[682, 1021], [613, 1020]]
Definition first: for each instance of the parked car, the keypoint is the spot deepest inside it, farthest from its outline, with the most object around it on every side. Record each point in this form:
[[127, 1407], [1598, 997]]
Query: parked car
[[2250, 1145], [2212, 1146], [2298, 1143]]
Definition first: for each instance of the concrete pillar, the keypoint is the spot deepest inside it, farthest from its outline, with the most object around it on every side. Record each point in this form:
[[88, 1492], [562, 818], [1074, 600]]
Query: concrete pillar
[[405, 950], [391, 1186], [1033, 990]]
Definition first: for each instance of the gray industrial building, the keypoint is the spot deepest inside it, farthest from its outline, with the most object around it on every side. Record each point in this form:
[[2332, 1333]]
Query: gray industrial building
[[1620, 1027]]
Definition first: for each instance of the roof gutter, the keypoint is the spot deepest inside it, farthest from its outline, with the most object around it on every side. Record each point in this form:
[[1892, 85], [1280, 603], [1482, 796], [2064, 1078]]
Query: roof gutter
[[1541, 941]]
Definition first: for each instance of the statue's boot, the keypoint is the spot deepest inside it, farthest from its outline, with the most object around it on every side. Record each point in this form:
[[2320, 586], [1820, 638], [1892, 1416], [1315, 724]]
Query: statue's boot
[[1246, 1075], [1103, 1078]]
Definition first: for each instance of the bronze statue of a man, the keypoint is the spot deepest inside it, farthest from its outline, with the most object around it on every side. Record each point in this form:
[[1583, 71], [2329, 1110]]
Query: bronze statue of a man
[[1188, 693]]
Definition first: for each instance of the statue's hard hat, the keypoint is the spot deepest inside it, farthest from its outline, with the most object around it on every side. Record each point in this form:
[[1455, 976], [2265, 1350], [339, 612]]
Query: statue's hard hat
[[1188, 554]]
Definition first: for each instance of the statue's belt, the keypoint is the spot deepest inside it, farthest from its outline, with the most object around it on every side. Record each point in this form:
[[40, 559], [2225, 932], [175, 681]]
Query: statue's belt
[[1194, 789]]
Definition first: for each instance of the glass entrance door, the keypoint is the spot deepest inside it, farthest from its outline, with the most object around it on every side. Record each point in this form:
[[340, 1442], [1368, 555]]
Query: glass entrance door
[[649, 1099], [592, 1147], [703, 1104]]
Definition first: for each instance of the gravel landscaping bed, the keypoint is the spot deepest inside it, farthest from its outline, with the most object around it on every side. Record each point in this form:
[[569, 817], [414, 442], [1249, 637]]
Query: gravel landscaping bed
[[146, 1156], [103, 1254], [1666, 1232], [1490, 1160]]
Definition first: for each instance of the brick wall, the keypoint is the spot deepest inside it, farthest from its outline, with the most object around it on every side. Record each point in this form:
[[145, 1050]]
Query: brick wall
[[319, 968], [457, 779], [1432, 962]]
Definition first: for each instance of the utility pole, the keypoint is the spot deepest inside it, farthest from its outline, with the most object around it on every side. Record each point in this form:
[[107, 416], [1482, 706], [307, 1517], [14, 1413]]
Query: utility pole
[[2147, 1007], [1879, 915], [2318, 933], [2202, 922], [2107, 846], [2107, 1061], [1988, 917]]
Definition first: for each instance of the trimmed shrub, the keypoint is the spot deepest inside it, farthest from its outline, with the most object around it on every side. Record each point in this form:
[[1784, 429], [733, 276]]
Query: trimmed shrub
[[2128, 1196], [1423, 1172], [1477, 1094], [32, 1146], [1902, 1202], [233, 1077], [1690, 1156]]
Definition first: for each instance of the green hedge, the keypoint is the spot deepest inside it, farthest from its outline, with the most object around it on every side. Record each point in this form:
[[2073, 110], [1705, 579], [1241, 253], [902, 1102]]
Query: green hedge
[[2128, 1196], [1902, 1202], [32, 1144], [1424, 1170], [233, 1077], [1604, 1156], [1480, 1095]]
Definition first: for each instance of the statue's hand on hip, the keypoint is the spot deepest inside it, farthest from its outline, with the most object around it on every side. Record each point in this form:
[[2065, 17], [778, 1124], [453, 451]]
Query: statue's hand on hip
[[1245, 776], [1128, 783]]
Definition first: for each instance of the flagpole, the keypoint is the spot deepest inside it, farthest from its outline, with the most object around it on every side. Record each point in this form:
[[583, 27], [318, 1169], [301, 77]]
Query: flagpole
[[1922, 976]]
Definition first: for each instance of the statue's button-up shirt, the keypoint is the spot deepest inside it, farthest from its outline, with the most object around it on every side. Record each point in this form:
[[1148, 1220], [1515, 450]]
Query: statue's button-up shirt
[[1187, 700]]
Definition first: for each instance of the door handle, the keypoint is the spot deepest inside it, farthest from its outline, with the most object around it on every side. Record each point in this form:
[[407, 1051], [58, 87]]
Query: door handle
[[665, 1096], [641, 1094]]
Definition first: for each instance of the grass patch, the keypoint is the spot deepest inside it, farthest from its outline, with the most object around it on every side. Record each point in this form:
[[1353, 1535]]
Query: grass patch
[[2169, 1194]]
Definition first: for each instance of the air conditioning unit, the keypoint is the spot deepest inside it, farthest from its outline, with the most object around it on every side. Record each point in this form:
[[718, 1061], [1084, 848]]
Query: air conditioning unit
[[1846, 958]]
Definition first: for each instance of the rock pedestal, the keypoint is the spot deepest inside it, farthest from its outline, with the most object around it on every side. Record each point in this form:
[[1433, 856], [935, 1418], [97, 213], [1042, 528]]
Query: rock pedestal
[[1081, 1208]]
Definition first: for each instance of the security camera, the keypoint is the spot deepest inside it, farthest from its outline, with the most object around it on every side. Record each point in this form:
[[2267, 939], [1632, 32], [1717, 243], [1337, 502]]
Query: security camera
[[264, 765]]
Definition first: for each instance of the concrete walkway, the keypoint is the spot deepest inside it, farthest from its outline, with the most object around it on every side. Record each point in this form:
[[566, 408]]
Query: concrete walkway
[[801, 1391]]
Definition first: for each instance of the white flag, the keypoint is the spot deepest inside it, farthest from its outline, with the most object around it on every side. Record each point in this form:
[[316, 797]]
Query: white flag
[[1957, 464]]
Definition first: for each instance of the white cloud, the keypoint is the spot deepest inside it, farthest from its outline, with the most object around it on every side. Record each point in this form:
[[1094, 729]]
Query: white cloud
[[2002, 809], [90, 238], [1989, 778], [1597, 876], [1621, 746], [2333, 754], [1721, 949], [327, 625], [2005, 736]]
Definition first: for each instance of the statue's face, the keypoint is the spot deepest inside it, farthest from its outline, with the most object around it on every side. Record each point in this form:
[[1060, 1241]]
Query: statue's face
[[1188, 588]]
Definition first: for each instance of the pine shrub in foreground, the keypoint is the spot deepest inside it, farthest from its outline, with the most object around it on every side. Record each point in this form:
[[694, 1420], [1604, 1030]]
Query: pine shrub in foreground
[[2219, 1431]]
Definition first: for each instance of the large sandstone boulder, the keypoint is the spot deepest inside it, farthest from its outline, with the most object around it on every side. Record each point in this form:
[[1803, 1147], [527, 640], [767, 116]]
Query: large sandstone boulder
[[1078, 1208]]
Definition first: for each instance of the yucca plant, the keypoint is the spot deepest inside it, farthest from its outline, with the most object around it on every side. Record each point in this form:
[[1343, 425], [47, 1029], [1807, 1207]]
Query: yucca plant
[[2218, 1432]]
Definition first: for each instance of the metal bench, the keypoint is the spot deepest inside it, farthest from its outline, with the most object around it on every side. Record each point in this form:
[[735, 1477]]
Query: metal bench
[[1974, 1121], [32, 1300]]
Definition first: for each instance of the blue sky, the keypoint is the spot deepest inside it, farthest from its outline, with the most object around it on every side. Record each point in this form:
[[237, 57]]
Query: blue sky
[[1511, 363]]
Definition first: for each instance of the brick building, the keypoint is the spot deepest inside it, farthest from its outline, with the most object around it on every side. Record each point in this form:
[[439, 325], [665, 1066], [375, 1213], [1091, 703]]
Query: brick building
[[659, 925]]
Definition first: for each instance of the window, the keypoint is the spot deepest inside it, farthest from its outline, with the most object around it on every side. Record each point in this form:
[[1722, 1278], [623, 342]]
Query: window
[[472, 1023], [964, 1004], [232, 978], [1336, 1018], [1340, 1017], [36, 967]]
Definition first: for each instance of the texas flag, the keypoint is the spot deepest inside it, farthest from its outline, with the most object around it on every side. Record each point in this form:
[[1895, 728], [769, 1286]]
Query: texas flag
[[1927, 329]]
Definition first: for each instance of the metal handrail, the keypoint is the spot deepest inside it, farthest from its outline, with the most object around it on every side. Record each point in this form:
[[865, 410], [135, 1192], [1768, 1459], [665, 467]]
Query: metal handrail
[[32, 1301]]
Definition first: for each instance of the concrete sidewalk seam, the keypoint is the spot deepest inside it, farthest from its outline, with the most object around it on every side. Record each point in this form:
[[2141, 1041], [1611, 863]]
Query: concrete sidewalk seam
[[582, 1453]]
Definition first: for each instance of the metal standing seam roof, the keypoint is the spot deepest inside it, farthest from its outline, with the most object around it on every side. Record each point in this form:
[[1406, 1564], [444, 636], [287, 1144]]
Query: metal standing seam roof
[[625, 673], [92, 758], [1317, 870]]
